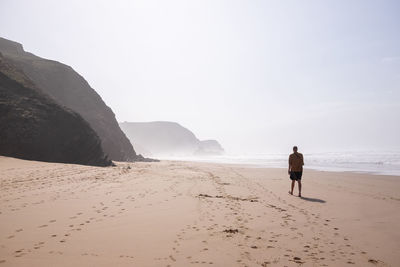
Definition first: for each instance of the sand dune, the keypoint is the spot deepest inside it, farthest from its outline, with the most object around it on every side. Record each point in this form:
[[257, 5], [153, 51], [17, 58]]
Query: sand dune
[[192, 214]]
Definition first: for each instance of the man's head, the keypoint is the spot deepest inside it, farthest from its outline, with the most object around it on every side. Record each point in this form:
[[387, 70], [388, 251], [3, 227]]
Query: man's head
[[295, 149]]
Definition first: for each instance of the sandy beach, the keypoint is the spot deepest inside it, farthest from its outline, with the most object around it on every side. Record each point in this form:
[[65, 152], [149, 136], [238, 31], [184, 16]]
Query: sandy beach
[[194, 214]]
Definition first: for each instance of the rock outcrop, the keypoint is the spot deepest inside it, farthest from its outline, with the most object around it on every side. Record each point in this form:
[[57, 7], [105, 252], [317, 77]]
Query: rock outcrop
[[209, 147], [35, 127], [163, 138], [71, 90]]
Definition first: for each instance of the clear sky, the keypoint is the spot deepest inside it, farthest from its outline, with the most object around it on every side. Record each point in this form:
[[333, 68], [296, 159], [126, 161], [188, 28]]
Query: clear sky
[[259, 76]]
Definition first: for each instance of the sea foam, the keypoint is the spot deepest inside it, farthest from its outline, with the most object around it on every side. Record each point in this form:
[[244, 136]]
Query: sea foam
[[386, 163]]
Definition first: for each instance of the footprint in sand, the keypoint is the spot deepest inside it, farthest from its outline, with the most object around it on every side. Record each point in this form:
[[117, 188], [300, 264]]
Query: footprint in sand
[[298, 260], [126, 256], [19, 253]]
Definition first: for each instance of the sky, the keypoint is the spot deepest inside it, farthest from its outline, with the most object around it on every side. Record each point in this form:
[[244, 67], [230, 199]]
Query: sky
[[258, 76]]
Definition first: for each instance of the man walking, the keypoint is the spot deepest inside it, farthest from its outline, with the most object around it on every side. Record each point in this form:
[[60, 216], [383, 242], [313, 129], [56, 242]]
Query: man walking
[[295, 170]]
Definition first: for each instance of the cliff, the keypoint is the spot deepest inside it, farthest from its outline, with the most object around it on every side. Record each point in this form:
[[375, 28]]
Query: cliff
[[209, 147], [163, 138], [67, 88], [34, 127]]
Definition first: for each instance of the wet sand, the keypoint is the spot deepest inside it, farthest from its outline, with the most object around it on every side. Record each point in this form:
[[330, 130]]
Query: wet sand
[[193, 214]]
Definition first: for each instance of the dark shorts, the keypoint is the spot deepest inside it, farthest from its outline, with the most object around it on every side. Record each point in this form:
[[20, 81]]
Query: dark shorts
[[296, 175]]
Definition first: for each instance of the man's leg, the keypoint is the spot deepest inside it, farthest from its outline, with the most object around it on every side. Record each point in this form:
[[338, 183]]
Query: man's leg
[[291, 191], [299, 181]]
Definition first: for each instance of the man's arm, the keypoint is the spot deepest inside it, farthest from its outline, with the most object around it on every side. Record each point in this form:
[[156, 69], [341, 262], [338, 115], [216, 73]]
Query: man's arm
[[289, 166]]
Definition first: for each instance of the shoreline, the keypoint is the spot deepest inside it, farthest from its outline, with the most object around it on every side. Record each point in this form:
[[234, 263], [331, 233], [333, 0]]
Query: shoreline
[[306, 168], [380, 163], [175, 213]]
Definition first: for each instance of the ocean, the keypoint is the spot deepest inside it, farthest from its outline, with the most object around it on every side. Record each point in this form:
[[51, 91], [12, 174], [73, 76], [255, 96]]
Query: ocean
[[384, 163]]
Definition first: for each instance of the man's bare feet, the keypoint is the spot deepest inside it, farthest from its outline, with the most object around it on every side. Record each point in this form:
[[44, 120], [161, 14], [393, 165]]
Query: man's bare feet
[[291, 193], [299, 195]]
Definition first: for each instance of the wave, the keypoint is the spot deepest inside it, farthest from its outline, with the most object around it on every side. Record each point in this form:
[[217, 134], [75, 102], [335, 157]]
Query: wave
[[385, 163]]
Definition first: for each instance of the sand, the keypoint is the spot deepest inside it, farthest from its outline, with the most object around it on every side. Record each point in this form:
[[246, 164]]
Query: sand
[[193, 214]]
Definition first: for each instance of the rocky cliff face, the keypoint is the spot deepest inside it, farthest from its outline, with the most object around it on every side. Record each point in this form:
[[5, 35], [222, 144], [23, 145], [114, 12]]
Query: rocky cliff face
[[209, 147], [33, 126], [71, 90], [163, 138]]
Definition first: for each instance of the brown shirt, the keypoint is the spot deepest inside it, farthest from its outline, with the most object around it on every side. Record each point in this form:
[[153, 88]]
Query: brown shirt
[[296, 162]]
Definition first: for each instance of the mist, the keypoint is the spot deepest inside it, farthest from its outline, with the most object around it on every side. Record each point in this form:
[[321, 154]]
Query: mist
[[258, 76]]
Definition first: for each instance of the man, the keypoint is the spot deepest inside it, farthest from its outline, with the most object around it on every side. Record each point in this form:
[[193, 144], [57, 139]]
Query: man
[[295, 170]]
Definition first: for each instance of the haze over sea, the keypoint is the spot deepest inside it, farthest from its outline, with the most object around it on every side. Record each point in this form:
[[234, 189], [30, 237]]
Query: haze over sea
[[382, 162]]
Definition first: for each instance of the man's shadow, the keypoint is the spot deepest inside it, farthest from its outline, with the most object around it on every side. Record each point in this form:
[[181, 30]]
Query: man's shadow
[[313, 199]]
